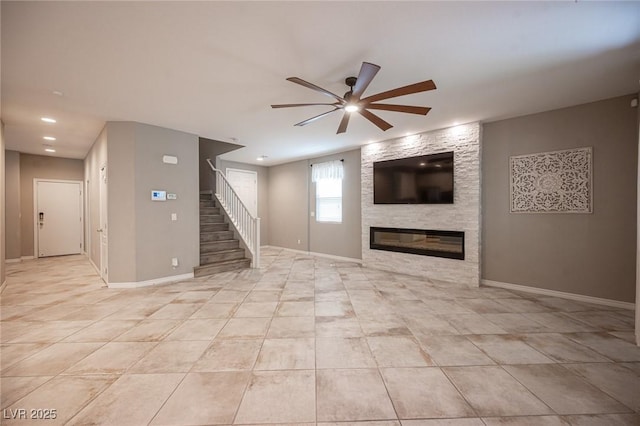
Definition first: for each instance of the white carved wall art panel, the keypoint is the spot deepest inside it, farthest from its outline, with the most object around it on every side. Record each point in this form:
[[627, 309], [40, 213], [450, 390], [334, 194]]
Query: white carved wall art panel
[[552, 182]]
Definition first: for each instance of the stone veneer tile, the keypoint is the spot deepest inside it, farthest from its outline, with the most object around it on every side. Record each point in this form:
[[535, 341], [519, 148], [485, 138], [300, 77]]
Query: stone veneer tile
[[463, 215]]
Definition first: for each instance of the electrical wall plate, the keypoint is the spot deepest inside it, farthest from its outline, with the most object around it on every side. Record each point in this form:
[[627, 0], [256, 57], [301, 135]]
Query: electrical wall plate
[[172, 196], [169, 159], [157, 195]]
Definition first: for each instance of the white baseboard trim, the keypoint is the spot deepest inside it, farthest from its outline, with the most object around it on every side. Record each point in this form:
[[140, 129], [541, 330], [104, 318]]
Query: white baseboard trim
[[27, 257], [312, 253], [148, 283], [561, 294], [93, 264], [17, 260]]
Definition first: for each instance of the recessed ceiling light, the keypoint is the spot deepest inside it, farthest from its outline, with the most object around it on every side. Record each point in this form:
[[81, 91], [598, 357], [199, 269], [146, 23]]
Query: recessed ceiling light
[[423, 164], [261, 158], [50, 150], [57, 93], [49, 138], [48, 120]]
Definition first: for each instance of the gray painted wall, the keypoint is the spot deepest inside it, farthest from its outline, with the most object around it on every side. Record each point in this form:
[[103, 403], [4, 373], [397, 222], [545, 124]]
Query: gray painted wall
[[43, 167], [2, 207], [588, 254], [93, 162], [289, 205], [142, 237], [292, 198], [12, 205], [211, 149], [263, 191], [121, 210], [339, 239], [158, 238]]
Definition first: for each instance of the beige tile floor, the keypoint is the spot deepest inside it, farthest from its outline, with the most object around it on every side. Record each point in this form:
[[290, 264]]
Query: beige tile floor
[[307, 340]]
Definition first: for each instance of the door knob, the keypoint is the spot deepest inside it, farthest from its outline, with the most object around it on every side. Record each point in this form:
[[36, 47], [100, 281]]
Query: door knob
[[99, 230]]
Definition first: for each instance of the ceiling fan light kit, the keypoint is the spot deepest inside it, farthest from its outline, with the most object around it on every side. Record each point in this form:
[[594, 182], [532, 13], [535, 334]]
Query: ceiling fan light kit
[[352, 101]]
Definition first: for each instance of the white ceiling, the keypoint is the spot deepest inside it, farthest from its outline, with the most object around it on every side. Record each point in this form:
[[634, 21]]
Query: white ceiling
[[214, 68]]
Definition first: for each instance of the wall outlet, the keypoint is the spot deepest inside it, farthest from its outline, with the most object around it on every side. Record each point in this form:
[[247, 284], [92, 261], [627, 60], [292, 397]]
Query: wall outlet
[[174, 262], [298, 241], [174, 216]]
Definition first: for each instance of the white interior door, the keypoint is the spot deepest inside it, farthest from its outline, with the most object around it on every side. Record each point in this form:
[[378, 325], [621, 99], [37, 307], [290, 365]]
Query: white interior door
[[58, 217], [245, 183], [103, 233]]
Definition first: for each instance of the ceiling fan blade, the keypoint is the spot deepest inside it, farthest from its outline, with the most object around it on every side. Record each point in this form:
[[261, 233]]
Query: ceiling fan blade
[[367, 72], [400, 108], [344, 123], [297, 105], [309, 120], [423, 86], [375, 119], [316, 88]]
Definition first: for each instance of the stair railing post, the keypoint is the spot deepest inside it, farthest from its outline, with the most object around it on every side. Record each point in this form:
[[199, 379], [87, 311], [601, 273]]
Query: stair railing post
[[256, 250]]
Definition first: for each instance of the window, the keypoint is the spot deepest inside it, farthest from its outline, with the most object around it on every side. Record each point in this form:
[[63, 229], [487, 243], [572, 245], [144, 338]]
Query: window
[[329, 200], [328, 179]]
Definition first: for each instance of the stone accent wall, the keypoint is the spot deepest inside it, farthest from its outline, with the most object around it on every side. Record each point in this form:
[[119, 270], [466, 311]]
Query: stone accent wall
[[462, 215]]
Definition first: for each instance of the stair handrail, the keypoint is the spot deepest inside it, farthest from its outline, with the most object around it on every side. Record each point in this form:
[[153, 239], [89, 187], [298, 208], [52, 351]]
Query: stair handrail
[[246, 224]]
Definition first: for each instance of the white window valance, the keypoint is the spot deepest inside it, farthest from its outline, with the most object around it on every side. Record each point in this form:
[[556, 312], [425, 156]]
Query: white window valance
[[327, 170]]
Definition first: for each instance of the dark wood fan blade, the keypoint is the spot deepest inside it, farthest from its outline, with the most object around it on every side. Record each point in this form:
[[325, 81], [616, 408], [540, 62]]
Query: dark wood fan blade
[[309, 120], [344, 123], [316, 88], [375, 119], [400, 108], [367, 72], [297, 105], [423, 86]]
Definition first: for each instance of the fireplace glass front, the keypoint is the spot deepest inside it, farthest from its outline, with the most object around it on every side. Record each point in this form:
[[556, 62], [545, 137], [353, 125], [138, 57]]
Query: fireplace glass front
[[448, 244]]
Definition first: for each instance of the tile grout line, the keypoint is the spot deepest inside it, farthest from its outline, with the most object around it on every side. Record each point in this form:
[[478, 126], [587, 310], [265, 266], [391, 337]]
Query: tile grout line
[[251, 370]]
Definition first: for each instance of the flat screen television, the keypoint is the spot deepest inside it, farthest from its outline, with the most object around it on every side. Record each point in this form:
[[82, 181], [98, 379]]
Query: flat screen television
[[426, 179]]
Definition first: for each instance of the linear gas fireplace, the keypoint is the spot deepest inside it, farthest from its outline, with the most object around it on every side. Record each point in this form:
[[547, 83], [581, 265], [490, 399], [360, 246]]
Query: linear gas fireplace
[[449, 244]]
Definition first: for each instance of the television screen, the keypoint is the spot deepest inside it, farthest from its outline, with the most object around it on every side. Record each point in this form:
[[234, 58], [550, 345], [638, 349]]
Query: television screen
[[426, 179]]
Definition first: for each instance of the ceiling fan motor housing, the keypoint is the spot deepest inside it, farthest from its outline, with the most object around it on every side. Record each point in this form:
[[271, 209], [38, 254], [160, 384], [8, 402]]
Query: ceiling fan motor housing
[[350, 81]]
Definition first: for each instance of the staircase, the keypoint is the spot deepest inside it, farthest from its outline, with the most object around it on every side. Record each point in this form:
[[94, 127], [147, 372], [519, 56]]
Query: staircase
[[219, 250]]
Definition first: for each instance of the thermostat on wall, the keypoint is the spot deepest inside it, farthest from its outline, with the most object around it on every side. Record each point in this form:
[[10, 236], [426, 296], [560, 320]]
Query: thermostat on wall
[[158, 195]]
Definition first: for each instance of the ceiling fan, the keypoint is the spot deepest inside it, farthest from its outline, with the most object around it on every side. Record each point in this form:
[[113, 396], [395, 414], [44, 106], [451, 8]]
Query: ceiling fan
[[352, 101]]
